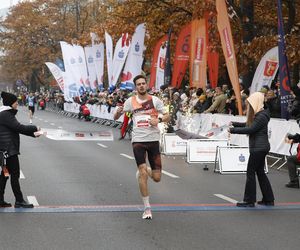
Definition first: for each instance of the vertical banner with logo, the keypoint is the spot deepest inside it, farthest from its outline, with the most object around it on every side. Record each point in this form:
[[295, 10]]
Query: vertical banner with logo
[[284, 74], [57, 74], [82, 67], [98, 54], [161, 64], [109, 56], [155, 60], [198, 54], [181, 55], [89, 57], [168, 72], [134, 62], [72, 76], [228, 50], [266, 70], [120, 55]]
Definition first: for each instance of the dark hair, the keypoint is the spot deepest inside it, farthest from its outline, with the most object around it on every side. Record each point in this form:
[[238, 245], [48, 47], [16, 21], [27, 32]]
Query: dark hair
[[138, 77], [199, 91]]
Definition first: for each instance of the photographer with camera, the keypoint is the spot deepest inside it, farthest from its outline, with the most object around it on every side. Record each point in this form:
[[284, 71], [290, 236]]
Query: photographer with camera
[[293, 160]]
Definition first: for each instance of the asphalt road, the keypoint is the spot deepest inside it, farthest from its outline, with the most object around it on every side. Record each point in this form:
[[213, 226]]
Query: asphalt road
[[87, 197]]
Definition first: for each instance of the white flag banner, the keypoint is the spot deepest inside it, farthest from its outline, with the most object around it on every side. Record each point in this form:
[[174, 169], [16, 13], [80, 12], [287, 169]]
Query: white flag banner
[[120, 55], [109, 56], [133, 66], [160, 70], [71, 88], [90, 59], [71, 77], [266, 70], [98, 52], [57, 74], [81, 66]]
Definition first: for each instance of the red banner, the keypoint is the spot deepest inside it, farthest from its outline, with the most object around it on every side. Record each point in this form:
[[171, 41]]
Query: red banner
[[228, 49], [198, 54], [182, 55], [154, 60]]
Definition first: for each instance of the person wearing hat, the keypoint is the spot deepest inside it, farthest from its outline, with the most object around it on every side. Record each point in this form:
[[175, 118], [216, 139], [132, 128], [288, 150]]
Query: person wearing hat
[[10, 130], [257, 129]]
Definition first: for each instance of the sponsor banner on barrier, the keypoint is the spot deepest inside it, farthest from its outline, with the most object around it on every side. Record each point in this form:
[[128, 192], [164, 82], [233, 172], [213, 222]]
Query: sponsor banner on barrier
[[62, 135], [234, 159], [203, 150], [174, 145]]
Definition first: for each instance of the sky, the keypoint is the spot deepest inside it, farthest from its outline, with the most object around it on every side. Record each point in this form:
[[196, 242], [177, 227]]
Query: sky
[[6, 3]]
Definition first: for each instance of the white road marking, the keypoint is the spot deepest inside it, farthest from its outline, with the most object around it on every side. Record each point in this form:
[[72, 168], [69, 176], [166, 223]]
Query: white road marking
[[169, 174], [21, 175], [60, 127], [46, 121], [33, 200], [53, 124], [225, 198], [128, 156], [102, 145], [40, 119]]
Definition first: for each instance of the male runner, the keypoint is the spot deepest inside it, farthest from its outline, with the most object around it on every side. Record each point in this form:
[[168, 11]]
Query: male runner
[[31, 102], [147, 111]]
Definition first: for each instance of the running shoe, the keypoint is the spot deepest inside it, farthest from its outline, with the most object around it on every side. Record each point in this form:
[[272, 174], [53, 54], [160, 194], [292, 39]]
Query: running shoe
[[147, 215]]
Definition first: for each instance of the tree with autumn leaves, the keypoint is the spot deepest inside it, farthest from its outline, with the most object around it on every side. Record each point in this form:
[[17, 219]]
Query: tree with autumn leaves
[[31, 32]]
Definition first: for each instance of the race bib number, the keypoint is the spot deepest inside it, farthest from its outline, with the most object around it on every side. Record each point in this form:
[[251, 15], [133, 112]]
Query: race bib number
[[143, 121]]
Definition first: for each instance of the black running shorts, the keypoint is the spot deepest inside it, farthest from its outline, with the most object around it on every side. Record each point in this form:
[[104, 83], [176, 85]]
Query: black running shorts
[[31, 108], [152, 149]]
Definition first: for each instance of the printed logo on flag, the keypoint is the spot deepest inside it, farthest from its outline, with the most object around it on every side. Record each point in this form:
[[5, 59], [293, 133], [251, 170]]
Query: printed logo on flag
[[121, 54], [199, 49], [72, 60], [162, 63], [186, 44], [72, 90], [137, 47], [227, 43], [80, 59], [98, 54], [270, 68], [90, 59]]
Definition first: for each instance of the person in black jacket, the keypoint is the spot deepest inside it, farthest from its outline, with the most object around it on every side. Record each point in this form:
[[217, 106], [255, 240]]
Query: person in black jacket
[[292, 161], [257, 129], [10, 130]]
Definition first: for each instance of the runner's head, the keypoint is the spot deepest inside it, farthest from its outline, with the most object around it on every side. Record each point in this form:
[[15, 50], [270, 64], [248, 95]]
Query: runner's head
[[140, 84]]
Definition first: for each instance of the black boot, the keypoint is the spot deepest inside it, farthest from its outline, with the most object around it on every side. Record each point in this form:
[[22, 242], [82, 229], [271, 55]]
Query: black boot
[[4, 204], [293, 184], [245, 204], [23, 204]]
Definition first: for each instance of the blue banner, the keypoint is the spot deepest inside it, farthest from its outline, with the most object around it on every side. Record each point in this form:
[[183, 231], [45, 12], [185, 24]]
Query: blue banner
[[168, 73], [284, 75]]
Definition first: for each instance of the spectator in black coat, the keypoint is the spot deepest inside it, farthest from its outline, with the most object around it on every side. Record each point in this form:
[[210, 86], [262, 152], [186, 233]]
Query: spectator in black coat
[[10, 130], [257, 129]]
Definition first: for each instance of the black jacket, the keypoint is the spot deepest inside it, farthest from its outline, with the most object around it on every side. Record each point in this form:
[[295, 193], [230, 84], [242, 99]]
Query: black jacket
[[10, 130], [258, 132]]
